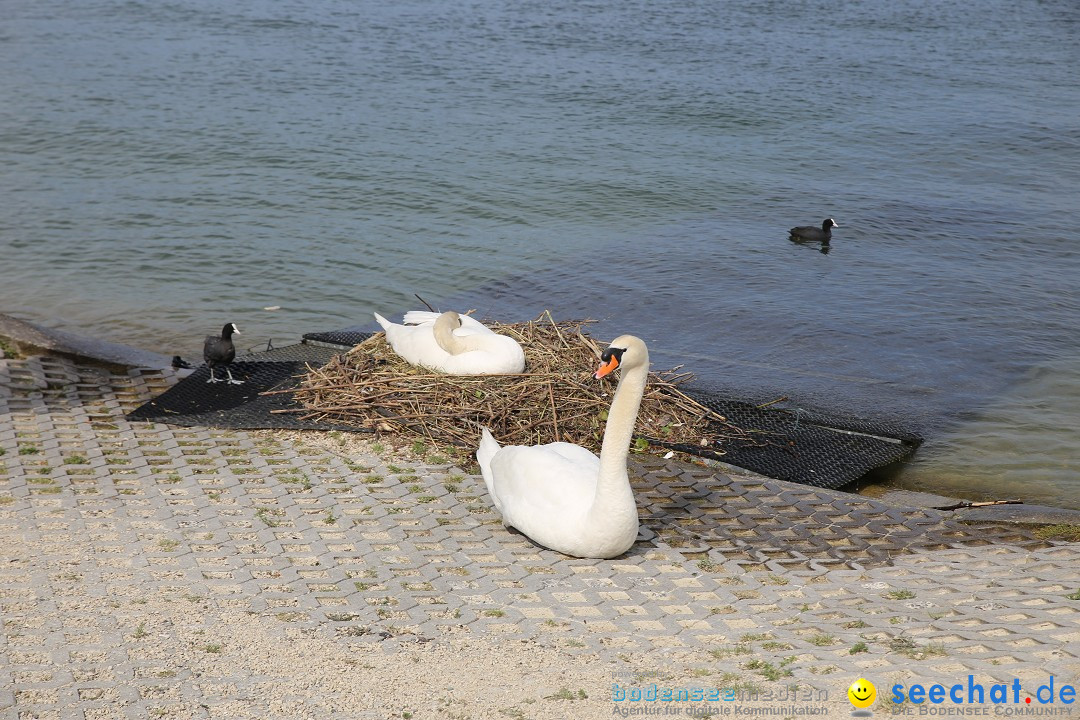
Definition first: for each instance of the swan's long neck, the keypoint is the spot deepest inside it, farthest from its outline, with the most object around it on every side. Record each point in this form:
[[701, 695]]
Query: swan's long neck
[[613, 483], [443, 330]]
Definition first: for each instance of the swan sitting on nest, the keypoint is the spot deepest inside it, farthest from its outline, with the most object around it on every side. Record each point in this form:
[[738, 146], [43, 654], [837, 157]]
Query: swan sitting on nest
[[561, 495], [452, 343]]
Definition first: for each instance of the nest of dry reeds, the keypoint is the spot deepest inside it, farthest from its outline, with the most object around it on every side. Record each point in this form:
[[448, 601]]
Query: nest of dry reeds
[[556, 398]]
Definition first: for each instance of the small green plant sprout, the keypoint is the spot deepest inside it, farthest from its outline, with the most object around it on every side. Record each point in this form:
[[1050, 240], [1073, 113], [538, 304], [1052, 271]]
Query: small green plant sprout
[[708, 565], [900, 595], [768, 670]]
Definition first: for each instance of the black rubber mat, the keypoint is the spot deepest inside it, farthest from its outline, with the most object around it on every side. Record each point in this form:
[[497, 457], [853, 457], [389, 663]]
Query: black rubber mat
[[340, 338], [300, 352], [811, 448], [195, 402], [797, 446], [805, 447]]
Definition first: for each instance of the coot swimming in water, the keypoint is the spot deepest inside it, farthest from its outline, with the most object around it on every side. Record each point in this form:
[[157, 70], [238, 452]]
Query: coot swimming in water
[[220, 351], [809, 232]]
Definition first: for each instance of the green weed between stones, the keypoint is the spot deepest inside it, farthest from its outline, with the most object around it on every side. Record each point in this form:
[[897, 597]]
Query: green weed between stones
[[1069, 533]]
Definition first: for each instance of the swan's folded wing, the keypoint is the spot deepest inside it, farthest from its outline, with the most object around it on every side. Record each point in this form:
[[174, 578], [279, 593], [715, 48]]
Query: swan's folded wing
[[544, 480], [468, 322], [488, 354], [574, 453], [416, 345], [420, 317], [469, 326]]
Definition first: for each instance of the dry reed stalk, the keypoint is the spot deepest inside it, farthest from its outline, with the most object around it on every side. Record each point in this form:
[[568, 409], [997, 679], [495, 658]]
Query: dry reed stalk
[[371, 388]]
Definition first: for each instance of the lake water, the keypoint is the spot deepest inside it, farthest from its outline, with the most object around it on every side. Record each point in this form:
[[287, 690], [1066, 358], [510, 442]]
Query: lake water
[[166, 167]]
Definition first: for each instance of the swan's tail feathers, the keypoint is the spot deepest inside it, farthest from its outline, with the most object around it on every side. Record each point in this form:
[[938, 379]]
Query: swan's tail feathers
[[420, 317], [383, 322], [484, 453]]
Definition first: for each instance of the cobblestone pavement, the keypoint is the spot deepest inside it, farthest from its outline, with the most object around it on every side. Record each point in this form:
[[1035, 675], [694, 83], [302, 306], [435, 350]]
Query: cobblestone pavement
[[100, 517]]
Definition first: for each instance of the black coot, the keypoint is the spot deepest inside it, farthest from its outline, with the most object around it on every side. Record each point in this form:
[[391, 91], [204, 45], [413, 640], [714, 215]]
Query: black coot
[[220, 351], [809, 232]]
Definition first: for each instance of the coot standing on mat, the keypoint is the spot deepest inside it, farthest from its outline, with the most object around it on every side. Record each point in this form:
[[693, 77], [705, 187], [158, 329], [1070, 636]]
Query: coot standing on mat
[[809, 232], [220, 351]]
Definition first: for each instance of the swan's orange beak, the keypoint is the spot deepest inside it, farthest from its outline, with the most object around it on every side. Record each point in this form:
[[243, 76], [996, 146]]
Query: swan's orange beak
[[606, 368]]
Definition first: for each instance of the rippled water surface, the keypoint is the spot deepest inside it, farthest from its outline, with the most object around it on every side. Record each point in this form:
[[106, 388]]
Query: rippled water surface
[[166, 167]]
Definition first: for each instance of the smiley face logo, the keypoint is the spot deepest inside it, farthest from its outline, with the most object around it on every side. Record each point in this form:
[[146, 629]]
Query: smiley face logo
[[862, 693]]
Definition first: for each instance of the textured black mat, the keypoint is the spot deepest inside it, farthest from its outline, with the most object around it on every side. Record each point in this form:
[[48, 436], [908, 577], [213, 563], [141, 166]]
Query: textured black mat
[[195, 402], [300, 352], [340, 338], [804, 447], [801, 447]]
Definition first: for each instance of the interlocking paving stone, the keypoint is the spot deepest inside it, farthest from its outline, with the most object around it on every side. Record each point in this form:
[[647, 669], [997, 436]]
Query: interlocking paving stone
[[102, 514]]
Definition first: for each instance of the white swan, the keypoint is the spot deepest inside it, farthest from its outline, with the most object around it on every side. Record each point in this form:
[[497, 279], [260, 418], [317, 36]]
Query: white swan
[[455, 344], [563, 496]]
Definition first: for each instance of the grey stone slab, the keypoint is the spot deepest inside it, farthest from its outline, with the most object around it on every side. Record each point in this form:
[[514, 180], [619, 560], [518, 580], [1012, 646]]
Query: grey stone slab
[[30, 337]]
